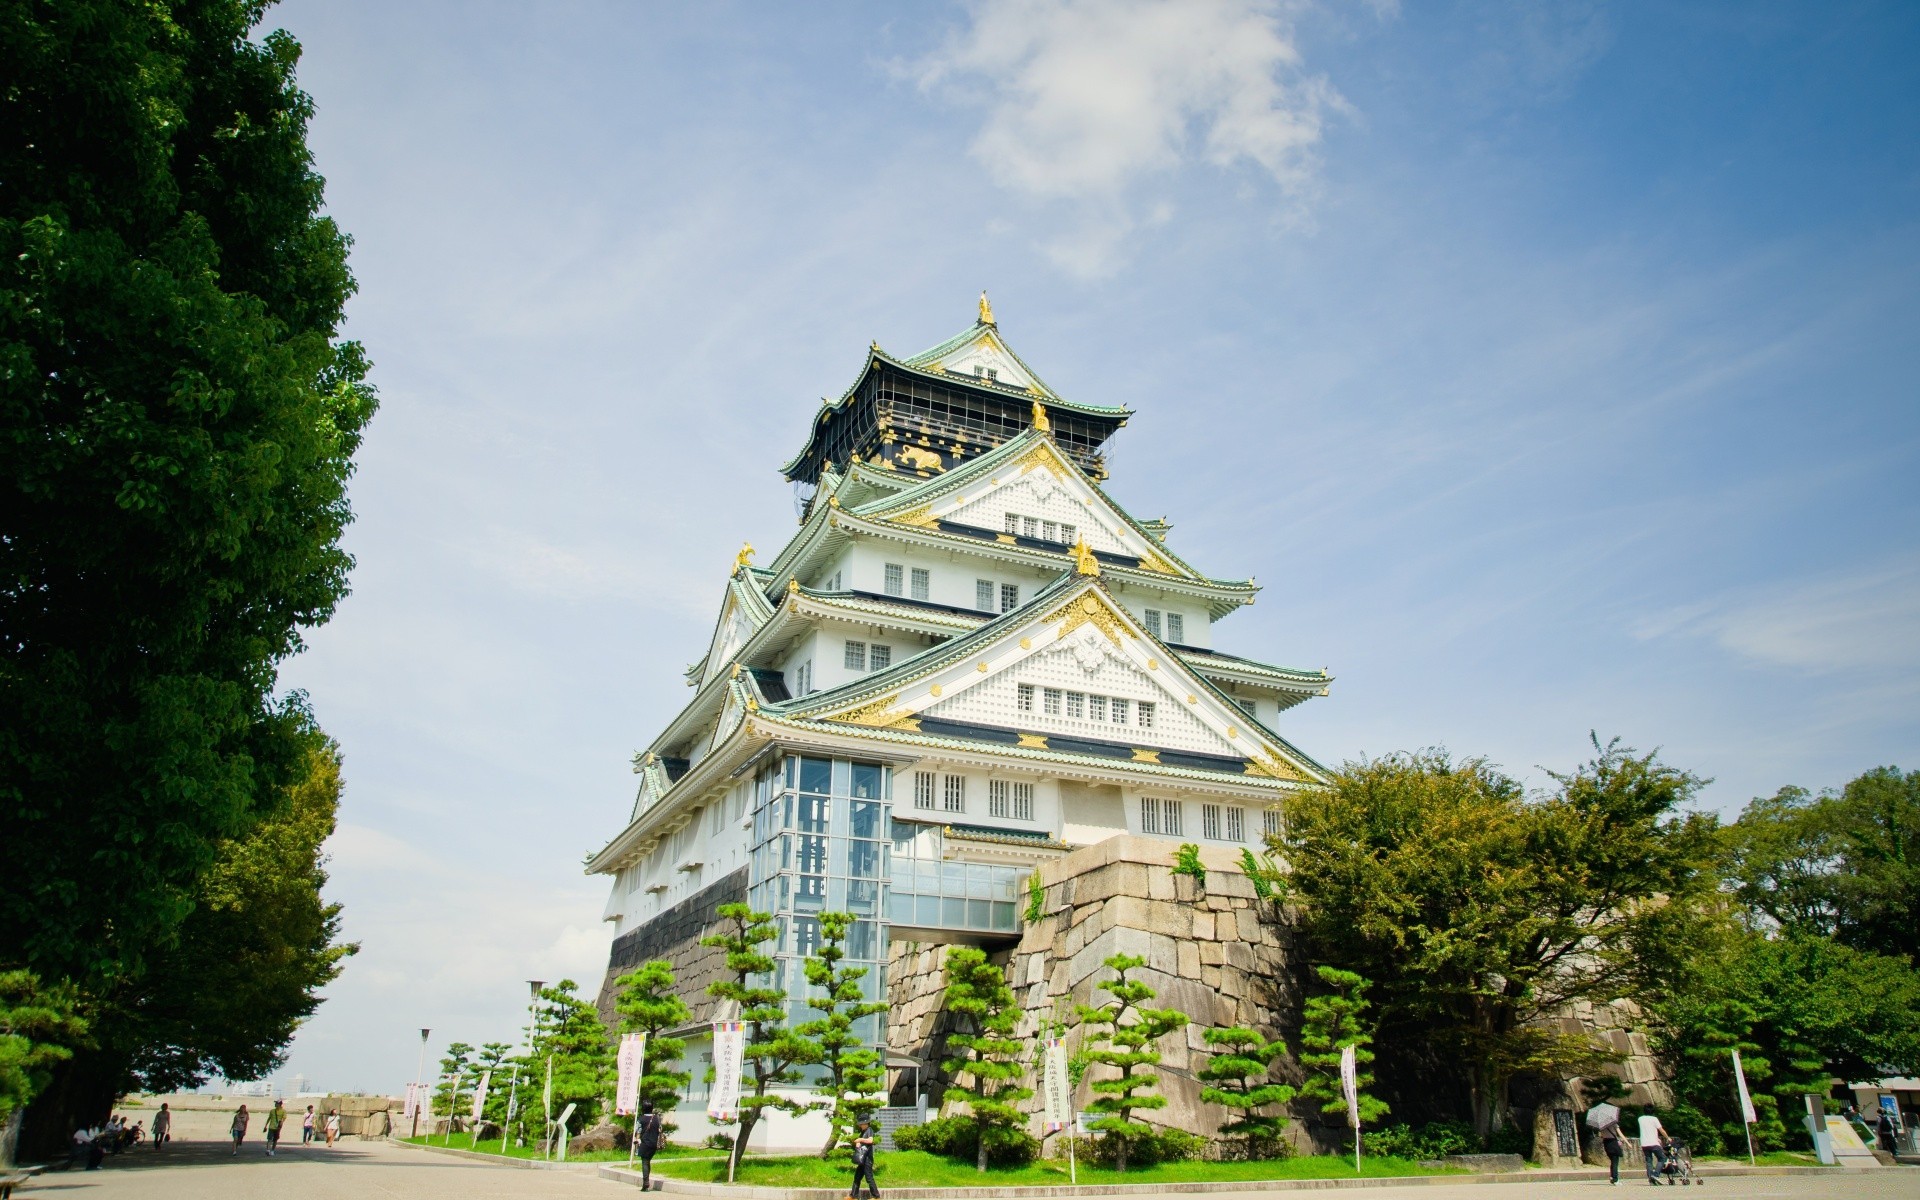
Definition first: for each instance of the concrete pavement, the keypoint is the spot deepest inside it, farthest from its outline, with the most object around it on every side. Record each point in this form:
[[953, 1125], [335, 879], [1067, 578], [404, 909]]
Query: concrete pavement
[[356, 1170], [352, 1170]]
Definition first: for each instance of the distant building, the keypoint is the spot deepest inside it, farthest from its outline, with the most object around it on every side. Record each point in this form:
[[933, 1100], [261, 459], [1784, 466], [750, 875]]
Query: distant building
[[969, 661]]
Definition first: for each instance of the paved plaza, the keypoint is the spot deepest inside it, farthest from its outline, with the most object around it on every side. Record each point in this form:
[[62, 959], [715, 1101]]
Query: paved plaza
[[357, 1170]]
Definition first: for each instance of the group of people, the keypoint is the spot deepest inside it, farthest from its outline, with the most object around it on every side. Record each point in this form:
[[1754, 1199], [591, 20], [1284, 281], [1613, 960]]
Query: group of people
[[93, 1143], [311, 1126]]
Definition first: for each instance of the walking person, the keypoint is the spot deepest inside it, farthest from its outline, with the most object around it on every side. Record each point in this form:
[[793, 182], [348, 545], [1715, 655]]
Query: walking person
[[306, 1126], [646, 1138], [1653, 1146], [1610, 1142], [162, 1126], [276, 1117], [863, 1141], [333, 1126], [239, 1128]]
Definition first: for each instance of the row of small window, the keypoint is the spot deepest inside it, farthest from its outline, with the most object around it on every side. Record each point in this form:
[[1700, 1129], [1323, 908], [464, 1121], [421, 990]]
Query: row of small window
[[862, 656], [1079, 706], [897, 577], [1175, 625], [1219, 823], [1005, 798], [1046, 531]]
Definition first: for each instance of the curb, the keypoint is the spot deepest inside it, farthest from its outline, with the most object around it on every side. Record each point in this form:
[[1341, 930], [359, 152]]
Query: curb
[[684, 1187], [498, 1160]]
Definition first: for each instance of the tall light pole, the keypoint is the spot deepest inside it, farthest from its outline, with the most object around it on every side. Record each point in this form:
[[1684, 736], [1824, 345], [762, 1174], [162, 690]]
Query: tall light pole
[[417, 1072], [533, 1030]]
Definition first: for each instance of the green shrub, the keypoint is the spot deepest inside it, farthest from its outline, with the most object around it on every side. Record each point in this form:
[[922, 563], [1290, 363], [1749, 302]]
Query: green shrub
[[1509, 1140], [1036, 899], [719, 1141], [1186, 861], [958, 1138], [1162, 1145], [1436, 1139]]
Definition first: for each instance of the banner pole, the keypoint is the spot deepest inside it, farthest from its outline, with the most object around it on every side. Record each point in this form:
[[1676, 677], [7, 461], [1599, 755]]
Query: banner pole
[[513, 1090]]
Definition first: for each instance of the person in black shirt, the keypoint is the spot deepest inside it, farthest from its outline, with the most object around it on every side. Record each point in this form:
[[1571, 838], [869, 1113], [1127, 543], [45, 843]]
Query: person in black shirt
[[863, 1163], [646, 1136]]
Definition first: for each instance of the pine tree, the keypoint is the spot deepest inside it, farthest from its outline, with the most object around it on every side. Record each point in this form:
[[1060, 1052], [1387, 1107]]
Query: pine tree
[[1333, 1020], [1239, 1078], [984, 1015], [1128, 1046], [569, 1034], [647, 1003], [853, 1070], [453, 1077], [773, 1050]]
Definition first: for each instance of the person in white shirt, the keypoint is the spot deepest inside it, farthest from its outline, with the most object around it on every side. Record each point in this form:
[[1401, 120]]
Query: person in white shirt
[[1653, 1146]]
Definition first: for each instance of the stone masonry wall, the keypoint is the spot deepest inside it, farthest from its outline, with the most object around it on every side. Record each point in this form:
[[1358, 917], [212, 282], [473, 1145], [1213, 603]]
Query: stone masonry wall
[[1215, 952], [674, 936], [1210, 953]]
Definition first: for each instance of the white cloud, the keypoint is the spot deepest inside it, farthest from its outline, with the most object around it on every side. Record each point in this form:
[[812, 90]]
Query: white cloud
[[1870, 619], [1087, 98]]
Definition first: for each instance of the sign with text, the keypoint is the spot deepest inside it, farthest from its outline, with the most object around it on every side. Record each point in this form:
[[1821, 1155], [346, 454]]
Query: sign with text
[[1350, 1084], [729, 1047], [633, 1053], [1059, 1086]]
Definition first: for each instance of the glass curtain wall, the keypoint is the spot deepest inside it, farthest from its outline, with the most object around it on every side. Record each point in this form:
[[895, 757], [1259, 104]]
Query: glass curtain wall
[[820, 844]]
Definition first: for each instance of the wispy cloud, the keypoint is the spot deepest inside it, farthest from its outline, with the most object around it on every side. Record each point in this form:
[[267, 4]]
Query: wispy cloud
[[1868, 619], [1086, 99]]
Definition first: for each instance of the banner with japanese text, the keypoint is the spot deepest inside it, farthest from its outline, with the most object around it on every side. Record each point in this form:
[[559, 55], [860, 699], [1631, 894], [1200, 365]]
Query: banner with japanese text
[[729, 1047]]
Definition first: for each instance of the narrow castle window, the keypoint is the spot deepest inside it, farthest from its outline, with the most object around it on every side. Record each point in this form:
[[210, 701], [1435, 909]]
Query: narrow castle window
[[893, 579], [920, 579]]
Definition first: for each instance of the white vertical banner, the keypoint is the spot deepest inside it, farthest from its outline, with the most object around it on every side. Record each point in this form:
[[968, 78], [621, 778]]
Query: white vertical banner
[[1746, 1101], [412, 1104], [1059, 1090], [729, 1047], [626, 1099], [480, 1094], [1350, 1084], [1350, 1088]]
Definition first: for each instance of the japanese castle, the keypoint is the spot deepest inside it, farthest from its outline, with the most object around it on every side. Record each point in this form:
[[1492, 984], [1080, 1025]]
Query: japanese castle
[[967, 661]]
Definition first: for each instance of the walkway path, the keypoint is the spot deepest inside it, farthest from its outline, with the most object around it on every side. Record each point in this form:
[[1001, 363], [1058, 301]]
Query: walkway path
[[352, 1170], [356, 1170]]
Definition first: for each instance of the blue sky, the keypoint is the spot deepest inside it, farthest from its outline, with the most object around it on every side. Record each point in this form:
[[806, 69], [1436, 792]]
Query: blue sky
[[1552, 367]]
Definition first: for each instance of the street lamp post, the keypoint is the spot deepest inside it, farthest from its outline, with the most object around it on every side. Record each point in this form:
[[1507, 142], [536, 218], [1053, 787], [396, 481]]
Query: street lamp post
[[417, 1072]]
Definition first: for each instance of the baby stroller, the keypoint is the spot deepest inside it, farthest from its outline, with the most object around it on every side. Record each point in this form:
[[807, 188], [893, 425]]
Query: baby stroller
[[1678, 1167]]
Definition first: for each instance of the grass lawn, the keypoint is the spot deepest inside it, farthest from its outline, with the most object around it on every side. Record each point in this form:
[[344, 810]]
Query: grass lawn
[[464, 1141], [912, 1168], [1772, 1158]]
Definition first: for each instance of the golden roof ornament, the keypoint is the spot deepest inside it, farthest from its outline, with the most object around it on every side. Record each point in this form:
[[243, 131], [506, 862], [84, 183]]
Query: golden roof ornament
[[1040, 422], [986, 309], [745, 557], [1083, 559]]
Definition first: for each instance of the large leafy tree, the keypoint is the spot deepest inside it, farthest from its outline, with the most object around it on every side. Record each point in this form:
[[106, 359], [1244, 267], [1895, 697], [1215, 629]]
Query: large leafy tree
[[1477, 910], [774, 1052], [226, 992], [1844, 864], [177, 420], [851, 1070], [987, 1071], [647, 1003], [1124, 1035], [1802, 1009]]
